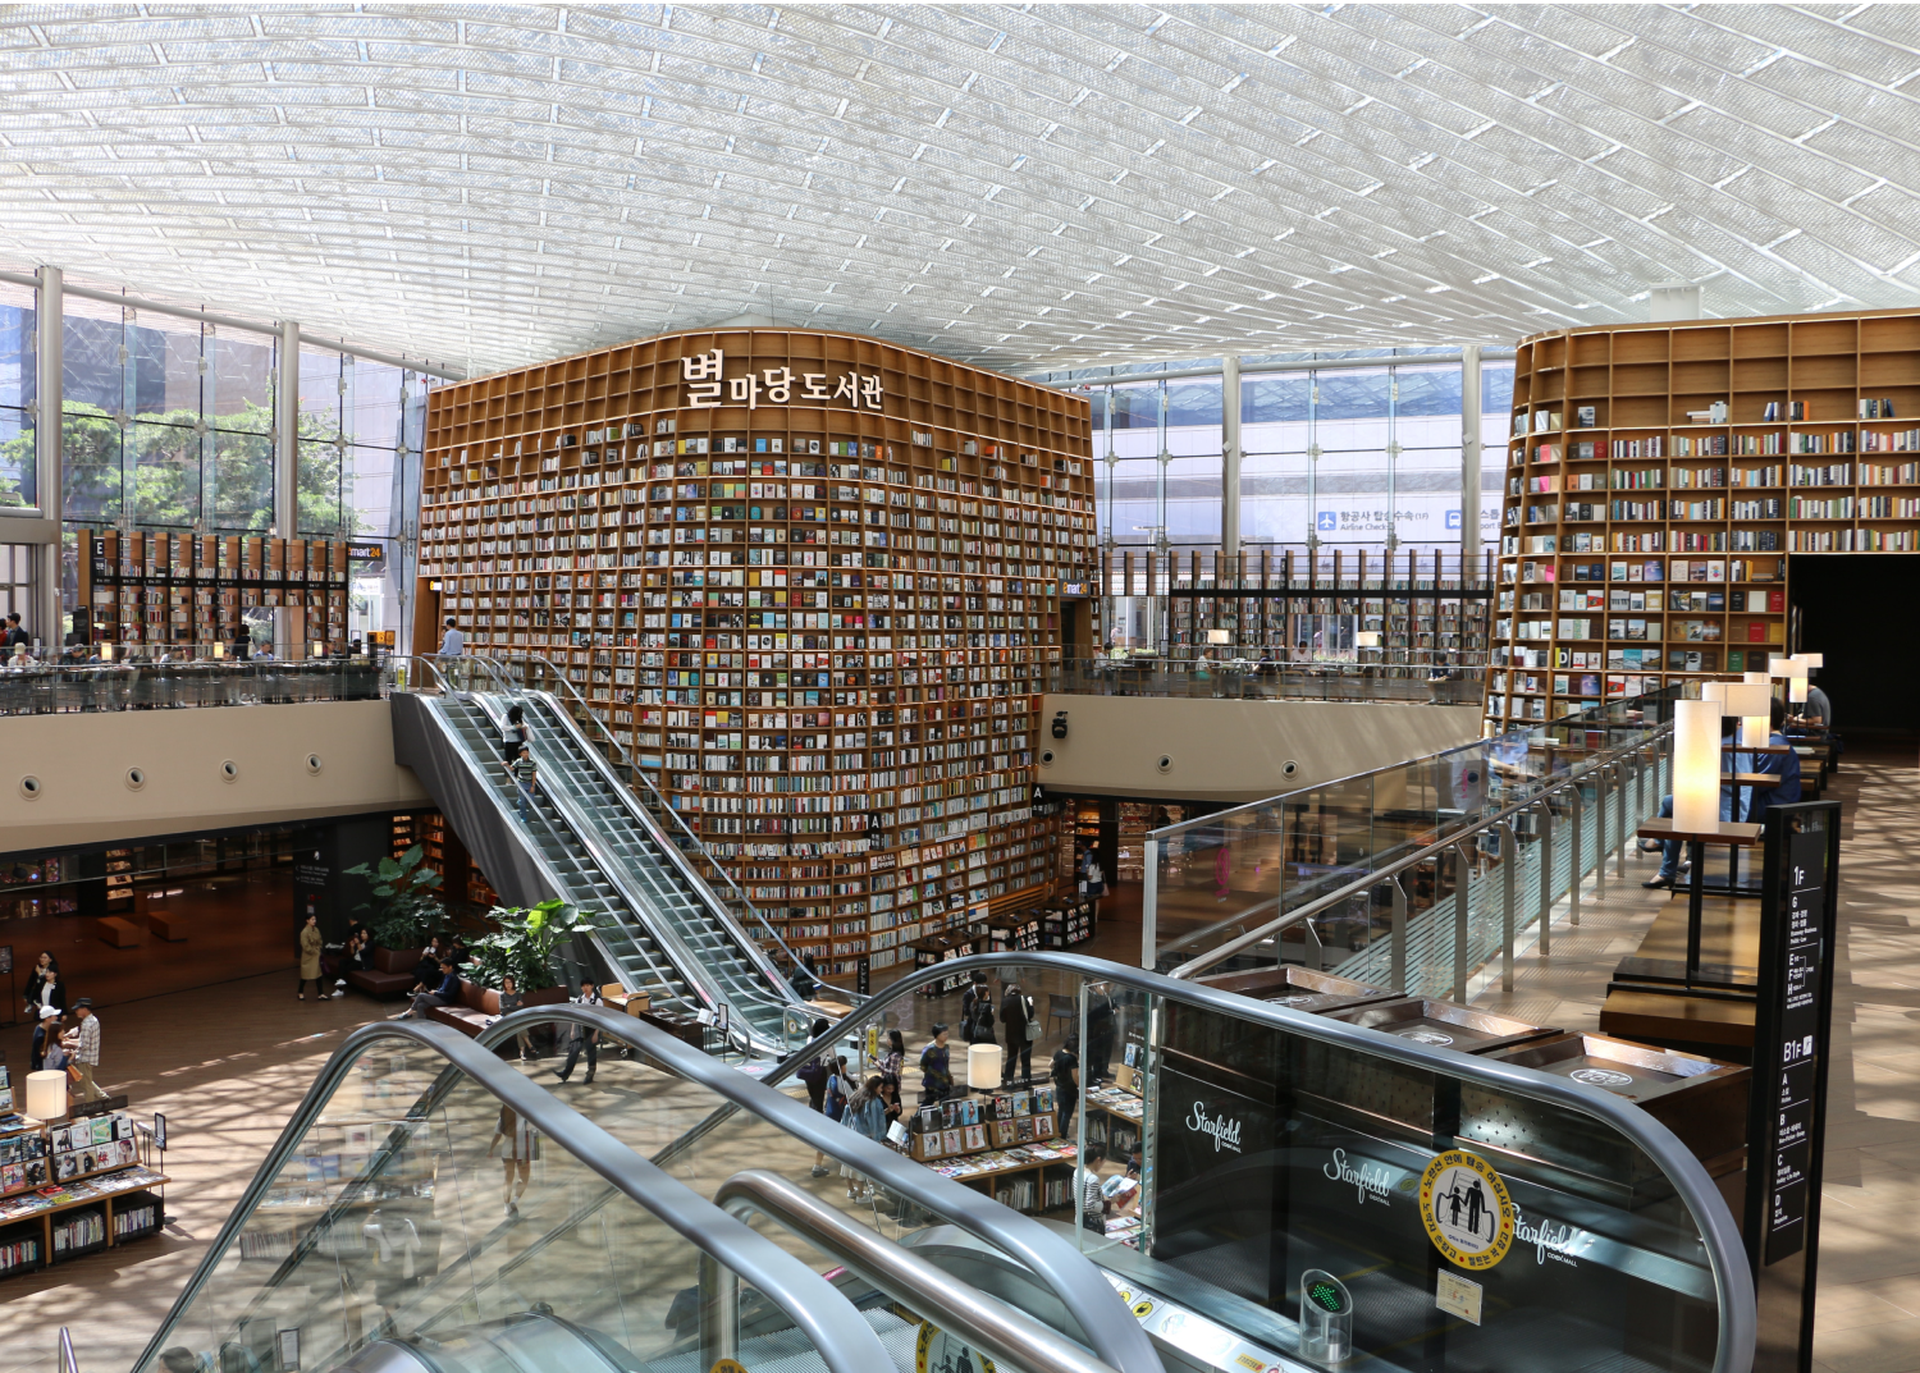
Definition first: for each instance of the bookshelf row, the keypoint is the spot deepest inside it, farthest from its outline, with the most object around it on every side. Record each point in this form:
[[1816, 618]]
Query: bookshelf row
[[1659, 478], [148, 588], [825, 646]]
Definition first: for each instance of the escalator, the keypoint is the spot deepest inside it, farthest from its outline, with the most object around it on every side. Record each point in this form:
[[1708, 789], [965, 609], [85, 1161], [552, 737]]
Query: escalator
[[432, 1209], [658, 927]]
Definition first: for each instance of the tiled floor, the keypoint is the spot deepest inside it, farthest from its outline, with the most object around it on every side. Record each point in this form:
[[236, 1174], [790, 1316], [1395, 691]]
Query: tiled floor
[[227, 1066]]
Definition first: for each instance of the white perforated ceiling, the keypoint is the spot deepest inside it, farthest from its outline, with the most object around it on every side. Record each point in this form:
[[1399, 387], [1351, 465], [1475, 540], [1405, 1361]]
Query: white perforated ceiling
[[1031, 186]]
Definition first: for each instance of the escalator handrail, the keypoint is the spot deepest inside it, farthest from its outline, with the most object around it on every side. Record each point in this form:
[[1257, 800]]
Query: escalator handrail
[[477, 770], [1115, 1335], [987, 1324], [693, 971], [843, 1338], [627, 791], [640, 777], [1726, 1255]]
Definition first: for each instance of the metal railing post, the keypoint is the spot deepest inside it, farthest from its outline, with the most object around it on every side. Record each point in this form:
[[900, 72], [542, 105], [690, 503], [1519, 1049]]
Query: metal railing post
[[1398, 978], [1149, 905], [1628, 819], [1602, 787], [1509, 863], [1546, 877], [1462, 891], [719, 1311], [1578, 868]]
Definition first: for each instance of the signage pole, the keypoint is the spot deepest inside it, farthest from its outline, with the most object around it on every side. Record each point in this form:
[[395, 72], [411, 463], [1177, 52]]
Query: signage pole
[[1792, 1049]]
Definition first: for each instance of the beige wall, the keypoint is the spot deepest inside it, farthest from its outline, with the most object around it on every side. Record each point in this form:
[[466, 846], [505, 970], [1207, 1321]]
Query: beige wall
[[1233, 750], [82, 762]]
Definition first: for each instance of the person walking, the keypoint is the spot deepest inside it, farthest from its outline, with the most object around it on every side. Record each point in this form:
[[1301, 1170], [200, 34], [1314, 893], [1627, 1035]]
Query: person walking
[[936, 1073], [84, 1041], [522, 1144], [452, 643], [525, 777], [46, 1035], [866, 1115], [1065, 1071], [581, 1039], [1016, 1015], [310, 942], [976, 1012], [509, 1003], [1096, 883], [46, 970], [814, 1075], [515, 733]]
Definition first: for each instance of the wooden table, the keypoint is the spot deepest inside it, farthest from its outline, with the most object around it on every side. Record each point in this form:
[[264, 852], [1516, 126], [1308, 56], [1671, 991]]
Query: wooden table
[[1727, 832]]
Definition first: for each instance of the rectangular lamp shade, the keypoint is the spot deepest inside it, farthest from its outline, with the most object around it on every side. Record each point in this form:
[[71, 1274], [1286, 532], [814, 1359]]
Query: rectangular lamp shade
[[1219, 636], [1367, 638], [1696, 766], [1756, 730], [1797, 690], [1744, 698]]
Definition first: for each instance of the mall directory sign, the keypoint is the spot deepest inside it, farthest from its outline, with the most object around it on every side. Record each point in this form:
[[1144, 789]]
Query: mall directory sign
[[1791, 1051]]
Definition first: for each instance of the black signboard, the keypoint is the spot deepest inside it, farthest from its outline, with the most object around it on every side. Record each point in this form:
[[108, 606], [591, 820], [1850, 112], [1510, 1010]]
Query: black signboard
[[1786, 1128], [863, 978]]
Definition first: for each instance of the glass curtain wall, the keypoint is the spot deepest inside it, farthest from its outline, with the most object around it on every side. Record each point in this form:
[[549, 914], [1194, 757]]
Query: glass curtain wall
[[18, 486], [352, 441], [1354, 456]]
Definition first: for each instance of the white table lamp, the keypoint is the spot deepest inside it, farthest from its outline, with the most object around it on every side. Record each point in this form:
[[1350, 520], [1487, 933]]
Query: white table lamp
[[1696, 766], [1367, 638], [47, 1094]]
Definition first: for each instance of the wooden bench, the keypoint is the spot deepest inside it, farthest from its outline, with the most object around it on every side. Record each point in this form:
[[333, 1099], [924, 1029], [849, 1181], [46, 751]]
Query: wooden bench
[[118, 933], [168, 925]]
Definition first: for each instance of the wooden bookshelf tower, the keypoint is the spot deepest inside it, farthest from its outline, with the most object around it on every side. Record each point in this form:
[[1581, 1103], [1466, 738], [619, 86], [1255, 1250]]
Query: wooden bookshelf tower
[[1660, 475], [815, 579]]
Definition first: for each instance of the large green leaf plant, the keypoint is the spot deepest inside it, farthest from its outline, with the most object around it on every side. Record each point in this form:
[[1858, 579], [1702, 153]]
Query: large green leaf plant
[[525, 942], [406, 905]]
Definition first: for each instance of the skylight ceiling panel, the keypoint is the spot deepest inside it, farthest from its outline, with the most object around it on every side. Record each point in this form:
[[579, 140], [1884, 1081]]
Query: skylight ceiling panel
[[1829, 92], [1834, 270], [1816, 173], [1871, 57], [1889, 24], [1870, 155]]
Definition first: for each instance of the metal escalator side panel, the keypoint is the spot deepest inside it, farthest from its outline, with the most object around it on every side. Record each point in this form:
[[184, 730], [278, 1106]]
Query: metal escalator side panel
[[1069, 1274], [418, 1191], [425, 741]]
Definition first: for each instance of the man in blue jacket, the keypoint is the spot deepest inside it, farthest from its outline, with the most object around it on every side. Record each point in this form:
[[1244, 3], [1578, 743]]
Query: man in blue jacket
[[1786, 765]]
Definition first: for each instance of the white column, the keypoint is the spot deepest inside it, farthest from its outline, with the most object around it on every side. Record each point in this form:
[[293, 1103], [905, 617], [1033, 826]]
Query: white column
[[1469, 461], [1230, 460], [286, 433], [49, 361], [286, 462]]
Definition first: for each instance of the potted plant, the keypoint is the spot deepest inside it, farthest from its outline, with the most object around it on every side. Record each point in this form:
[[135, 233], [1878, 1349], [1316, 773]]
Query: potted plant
[[405, 907], [525, 942]]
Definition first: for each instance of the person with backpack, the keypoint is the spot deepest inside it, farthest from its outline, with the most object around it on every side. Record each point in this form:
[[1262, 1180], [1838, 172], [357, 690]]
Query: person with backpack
[[976, 1012], [866, 1115], [814, 1075], [1016, 1014], [839, 1089], [936, 1074]]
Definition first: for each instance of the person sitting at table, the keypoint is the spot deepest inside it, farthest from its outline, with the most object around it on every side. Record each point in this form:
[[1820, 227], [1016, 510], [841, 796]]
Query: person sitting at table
[[1785, 765]]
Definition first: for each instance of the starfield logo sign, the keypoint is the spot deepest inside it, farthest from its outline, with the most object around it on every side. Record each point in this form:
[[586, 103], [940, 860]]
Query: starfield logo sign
[[1224, 1130]]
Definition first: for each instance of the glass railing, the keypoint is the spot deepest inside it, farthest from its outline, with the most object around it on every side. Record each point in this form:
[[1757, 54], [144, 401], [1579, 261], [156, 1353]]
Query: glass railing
[[1239, 679], [61, 688], [392, 1222], [1403, 873], [1267, 1168]]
